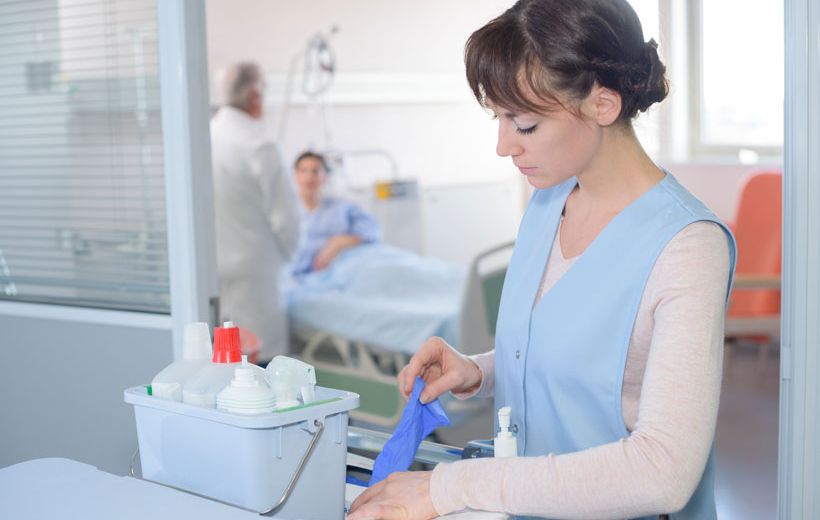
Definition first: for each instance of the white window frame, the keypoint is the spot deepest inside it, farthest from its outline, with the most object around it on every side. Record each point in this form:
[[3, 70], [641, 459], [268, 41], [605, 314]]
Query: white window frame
[[187, 155], [694, 49]]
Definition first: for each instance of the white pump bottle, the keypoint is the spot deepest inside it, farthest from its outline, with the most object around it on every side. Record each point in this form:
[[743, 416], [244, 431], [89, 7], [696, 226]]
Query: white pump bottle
[[505, 444]]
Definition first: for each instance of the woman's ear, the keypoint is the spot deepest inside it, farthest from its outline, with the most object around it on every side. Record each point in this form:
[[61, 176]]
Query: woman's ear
[[602, 105]]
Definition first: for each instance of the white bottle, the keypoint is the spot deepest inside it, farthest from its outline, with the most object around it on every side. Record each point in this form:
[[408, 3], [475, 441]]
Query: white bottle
[[289, 379], [505, 444], [196, 355], [202, 389], [246, 394]]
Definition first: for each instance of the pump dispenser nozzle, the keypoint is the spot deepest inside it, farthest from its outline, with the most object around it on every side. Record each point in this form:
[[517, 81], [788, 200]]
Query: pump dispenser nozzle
[[244, 375], [246, 394]]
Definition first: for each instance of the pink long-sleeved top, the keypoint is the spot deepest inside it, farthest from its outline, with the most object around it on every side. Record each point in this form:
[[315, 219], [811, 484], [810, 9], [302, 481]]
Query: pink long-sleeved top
[[669, 398]]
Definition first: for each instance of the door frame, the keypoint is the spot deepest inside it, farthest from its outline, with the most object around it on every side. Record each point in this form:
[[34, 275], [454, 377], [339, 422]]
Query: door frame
[[799, 454]]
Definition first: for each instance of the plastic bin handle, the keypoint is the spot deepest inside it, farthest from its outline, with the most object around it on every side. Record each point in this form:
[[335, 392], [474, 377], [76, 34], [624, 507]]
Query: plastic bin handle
[[320, 427]]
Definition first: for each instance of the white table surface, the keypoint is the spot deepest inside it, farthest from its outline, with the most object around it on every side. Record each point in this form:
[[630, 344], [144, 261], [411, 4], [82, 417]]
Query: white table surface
[[351, 492], [45, 489]]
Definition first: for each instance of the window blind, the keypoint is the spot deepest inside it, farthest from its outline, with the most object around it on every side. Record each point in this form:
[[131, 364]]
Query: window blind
[[82, 196]]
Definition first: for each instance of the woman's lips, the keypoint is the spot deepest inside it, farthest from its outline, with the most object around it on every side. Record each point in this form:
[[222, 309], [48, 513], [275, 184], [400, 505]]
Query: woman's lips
[[527, 170]]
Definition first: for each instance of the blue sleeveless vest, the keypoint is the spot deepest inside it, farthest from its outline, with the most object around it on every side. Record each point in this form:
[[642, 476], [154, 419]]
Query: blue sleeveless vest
[[559, 362]]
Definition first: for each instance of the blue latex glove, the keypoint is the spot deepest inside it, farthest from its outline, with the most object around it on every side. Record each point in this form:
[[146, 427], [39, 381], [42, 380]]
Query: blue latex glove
[[417, 421]]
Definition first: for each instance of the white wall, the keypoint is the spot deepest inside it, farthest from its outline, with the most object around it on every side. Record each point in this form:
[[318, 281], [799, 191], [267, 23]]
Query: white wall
[[716, 184], [62, 382], [374, 35], [434, 140], [438, 135]]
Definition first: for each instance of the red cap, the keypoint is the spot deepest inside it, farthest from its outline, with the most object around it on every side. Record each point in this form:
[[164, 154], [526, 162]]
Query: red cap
[[226, 345]]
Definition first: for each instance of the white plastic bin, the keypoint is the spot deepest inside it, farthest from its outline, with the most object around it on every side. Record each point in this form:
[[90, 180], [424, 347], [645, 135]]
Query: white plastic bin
[[249, 460]]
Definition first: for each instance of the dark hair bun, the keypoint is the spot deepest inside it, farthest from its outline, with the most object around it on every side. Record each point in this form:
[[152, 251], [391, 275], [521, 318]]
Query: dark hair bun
[[652, 87]]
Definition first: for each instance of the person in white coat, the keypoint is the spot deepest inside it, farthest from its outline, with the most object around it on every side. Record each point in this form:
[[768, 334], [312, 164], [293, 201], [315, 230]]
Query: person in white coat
[[256, 213]]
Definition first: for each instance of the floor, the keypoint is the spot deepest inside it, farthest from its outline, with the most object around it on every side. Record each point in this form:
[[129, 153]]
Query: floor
[[746, 486]]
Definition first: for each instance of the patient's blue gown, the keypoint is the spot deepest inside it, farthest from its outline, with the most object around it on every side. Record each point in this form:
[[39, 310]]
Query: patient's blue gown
[[332, 217]]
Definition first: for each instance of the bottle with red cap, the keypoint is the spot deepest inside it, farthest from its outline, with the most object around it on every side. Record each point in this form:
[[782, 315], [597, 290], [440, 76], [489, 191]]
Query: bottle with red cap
[[213, 378]]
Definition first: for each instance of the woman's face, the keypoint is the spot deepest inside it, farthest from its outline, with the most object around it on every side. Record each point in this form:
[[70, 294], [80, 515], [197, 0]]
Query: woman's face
[[548, 148], [310, 175]]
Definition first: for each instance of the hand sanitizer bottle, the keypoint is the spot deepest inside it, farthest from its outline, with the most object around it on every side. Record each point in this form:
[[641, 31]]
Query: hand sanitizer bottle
[[505, 444]]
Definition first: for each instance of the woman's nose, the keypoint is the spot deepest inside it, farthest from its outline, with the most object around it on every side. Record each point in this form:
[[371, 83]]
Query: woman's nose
[[507, 144]]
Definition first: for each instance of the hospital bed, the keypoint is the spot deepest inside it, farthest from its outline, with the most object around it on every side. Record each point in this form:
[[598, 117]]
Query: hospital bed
[[358, 341]]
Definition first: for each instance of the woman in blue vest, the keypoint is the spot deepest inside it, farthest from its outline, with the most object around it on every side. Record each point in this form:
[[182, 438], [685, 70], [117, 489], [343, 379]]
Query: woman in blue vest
[[609, 337]]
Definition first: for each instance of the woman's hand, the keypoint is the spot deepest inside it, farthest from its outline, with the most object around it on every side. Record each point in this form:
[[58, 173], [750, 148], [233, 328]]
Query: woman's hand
[[401, 496], [443, 369], [334, 245]]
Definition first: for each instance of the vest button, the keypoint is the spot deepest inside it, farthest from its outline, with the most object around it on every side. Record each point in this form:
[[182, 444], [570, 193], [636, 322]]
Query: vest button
[[517, 354], [515, 428]]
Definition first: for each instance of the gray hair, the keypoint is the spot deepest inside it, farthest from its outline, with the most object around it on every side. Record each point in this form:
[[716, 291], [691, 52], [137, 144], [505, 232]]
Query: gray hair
[[239, 83]]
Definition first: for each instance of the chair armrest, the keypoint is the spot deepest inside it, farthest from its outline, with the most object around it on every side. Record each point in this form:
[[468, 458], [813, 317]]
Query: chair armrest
[[756, 281]]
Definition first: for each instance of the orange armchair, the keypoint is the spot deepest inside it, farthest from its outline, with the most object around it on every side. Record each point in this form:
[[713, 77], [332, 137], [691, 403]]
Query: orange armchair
[[754, 305]]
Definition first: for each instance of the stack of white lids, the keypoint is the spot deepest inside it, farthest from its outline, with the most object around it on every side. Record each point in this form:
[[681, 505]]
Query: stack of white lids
[[246, 394]]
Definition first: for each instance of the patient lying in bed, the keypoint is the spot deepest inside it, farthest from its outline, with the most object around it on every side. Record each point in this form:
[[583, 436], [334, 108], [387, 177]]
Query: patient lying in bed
[[348, 284], [329, 225]]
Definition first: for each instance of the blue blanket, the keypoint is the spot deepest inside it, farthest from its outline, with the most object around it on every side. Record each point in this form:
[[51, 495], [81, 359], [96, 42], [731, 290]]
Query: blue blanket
[[382, 295]]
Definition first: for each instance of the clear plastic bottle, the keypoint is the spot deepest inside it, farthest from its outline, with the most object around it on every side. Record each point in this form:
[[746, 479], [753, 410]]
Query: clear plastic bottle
[[203, 389], [290, 379], [196, 355]]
